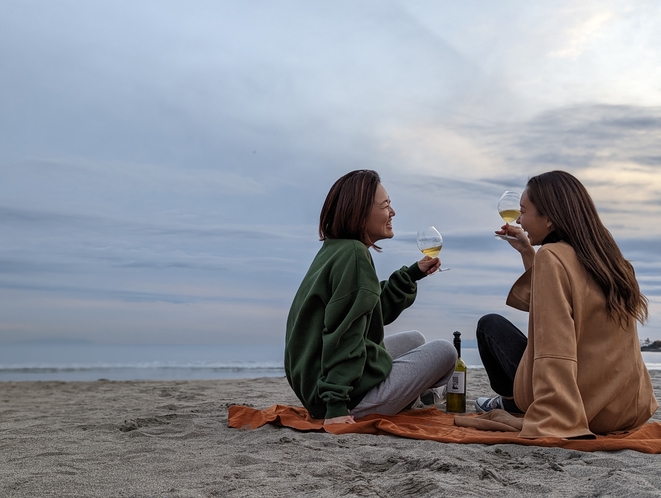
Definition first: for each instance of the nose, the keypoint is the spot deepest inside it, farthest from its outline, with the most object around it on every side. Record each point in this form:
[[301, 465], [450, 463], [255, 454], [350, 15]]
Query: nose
[[518, 220], [392, 212]]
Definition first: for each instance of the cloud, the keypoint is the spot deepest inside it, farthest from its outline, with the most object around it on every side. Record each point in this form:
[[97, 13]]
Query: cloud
[[445, 164], [601, 145], [163, 165], [584, 34]]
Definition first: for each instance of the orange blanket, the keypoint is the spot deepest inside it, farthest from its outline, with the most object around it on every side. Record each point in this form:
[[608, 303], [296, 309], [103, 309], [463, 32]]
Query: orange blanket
[[434, 424]]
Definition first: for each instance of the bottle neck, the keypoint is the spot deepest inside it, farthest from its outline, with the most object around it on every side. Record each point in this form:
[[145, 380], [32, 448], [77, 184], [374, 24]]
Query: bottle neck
[[457, 342]]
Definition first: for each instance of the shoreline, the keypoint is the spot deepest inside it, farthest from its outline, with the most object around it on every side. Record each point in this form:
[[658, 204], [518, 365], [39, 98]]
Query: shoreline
[[156, 371], [170, 439]]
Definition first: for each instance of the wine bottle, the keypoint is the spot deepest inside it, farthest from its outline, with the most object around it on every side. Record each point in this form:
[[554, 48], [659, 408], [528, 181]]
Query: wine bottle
[[455, 399]]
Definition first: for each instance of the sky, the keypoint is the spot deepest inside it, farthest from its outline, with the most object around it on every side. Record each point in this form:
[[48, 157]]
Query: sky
[[163, 164]]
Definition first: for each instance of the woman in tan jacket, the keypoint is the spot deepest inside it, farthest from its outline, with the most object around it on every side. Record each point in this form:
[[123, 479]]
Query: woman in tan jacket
[[580, 371]]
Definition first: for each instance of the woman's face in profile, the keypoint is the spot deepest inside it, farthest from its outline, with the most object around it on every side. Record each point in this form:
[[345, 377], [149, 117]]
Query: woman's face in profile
[[536, 225], [379, 222]]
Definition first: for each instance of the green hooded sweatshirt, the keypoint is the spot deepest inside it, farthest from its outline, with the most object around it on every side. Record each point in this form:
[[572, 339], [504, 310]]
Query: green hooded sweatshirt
[[334, 352]]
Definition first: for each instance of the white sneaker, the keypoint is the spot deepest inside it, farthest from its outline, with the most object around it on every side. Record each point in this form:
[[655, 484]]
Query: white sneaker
[[488, 404], [433, 396]]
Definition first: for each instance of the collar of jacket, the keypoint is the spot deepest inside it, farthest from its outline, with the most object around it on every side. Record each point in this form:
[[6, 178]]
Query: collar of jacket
[[552, 237]]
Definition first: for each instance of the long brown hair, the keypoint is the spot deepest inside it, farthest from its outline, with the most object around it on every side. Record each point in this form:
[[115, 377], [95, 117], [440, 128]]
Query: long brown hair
[[566, 203], [347, 207]]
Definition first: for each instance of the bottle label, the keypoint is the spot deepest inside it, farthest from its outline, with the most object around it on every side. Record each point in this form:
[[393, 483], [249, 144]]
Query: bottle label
[[457, 383]]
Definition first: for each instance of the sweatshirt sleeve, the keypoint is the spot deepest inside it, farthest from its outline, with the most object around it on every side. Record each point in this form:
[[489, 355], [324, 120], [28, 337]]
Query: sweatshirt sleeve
[[557, 409], [399, 292]]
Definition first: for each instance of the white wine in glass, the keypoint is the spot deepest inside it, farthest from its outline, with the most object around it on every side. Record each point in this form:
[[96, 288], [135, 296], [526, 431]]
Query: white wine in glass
[[430, 242], [509, 209]]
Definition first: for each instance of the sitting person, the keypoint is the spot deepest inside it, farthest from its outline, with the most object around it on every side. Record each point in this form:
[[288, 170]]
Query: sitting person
[[580, 372], [337, 360]]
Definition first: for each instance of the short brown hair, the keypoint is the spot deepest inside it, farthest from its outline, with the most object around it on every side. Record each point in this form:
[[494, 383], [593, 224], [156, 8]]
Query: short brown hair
[[348, 205], [564, 200]]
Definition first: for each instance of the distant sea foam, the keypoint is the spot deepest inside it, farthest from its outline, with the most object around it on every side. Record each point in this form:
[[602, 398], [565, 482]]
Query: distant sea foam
[[79, 361]]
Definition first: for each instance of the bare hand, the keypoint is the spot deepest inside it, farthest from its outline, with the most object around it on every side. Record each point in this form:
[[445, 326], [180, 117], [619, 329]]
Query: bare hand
[[521, 243], [429, 265], [344, 419]]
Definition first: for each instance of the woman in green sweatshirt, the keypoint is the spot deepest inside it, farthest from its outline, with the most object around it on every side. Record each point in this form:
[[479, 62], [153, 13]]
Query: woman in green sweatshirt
[[337, 360]]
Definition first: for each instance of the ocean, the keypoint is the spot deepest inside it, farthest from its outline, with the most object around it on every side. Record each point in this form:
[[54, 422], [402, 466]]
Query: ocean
[[89, 362]]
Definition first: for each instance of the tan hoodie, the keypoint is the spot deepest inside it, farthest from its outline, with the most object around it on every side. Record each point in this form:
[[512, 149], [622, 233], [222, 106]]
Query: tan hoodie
[[581, 373]]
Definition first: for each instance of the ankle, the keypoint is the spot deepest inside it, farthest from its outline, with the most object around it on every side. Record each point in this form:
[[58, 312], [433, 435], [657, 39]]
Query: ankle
[[509, 405]]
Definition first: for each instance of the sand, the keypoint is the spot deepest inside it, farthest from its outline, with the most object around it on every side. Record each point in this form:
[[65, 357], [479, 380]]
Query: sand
[[170, 439]]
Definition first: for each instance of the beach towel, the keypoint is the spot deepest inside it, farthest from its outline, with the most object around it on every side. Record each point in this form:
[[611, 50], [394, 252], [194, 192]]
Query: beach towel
[[436, 425]]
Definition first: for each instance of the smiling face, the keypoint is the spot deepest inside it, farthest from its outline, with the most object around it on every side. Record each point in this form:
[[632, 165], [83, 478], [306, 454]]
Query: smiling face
[[379, 222], [536, 225]]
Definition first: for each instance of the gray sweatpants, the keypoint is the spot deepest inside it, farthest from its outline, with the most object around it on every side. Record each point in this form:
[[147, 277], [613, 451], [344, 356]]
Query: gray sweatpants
[[417, 366]]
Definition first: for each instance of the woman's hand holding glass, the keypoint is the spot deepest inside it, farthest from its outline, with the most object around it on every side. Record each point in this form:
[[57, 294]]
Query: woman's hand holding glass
[[430, 243], [516, 237], [519, 240], [429, 265], [509, 210]]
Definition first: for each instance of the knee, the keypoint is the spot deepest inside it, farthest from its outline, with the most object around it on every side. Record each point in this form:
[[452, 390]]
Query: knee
[[403, 342], [486, 324], [410, 339], [444, 351], [416, 337]]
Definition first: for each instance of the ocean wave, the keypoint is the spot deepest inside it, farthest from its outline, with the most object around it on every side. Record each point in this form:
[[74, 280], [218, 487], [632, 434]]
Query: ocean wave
[[139, 366]]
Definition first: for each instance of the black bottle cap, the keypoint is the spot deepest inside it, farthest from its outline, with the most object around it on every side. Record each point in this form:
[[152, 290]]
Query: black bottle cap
[[457, 342]]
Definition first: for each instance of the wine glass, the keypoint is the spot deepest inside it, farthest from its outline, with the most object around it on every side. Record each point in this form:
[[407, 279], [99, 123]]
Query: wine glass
[[430, 242], [509, 208]]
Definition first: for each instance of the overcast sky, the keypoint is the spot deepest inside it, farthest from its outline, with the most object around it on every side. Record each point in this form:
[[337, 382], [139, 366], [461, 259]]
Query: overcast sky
[[163, 164]]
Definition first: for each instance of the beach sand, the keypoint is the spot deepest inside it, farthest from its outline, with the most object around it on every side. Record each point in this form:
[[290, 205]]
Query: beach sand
[[170, 439]]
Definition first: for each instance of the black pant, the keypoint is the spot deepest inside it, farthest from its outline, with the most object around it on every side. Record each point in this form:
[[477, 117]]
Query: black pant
[[501, 346]]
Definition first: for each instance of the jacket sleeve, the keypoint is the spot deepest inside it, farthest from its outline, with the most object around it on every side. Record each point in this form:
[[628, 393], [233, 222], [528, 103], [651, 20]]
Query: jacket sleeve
[[346, 320], [557, 409], [399, 292], [519, 296]]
